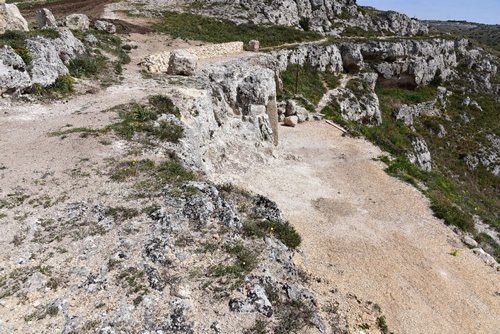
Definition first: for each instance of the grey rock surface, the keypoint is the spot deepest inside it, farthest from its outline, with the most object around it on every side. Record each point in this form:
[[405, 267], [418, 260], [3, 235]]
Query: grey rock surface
[[77, 22], [49, 56], [46, 64], [182, 62], [45, 19], [420, 157], [105, 26], [291, 108]]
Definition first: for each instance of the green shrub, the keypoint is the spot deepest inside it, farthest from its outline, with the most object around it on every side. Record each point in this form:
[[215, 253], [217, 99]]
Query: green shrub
[[284, 232], [85, 66], [163, 105], [305, 23]]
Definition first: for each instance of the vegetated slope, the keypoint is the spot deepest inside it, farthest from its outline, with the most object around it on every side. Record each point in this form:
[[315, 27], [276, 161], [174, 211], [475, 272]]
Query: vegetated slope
[[485, 34]]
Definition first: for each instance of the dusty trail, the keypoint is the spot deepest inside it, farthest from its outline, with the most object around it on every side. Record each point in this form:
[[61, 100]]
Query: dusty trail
[[374, 236]]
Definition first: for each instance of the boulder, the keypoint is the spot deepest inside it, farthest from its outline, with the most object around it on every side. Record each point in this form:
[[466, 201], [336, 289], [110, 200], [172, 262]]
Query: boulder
[[291, 121], [291, 108], [302, 114], [45, 19], [68, 46], [46, 64], [13, 74], [253, 46], [182, 62], [105, 26], [11, 18], [77, 22]]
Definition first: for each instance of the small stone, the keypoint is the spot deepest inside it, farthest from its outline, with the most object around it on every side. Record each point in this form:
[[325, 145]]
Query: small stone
[[253, 46], [291, 121], [91, 39], [77, 22], [466, 101], [216, 236], [105, 26], [469, 241]]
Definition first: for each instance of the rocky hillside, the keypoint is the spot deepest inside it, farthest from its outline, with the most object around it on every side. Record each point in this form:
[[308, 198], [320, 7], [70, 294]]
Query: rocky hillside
[[112, 222]]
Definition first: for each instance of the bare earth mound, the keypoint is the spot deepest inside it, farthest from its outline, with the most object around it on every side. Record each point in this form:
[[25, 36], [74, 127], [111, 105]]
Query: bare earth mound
[[374, 236]]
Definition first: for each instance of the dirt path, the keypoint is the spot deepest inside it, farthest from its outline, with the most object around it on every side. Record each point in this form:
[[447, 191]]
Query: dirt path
[[374, 236]]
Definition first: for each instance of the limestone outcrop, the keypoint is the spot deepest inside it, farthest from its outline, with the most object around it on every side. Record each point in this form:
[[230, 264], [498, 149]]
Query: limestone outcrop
[[420, 157], [49, 56], [11, 18], [13, 73], [328, 17], [406, 63]]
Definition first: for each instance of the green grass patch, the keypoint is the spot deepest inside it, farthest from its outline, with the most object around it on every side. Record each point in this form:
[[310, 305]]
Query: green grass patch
[[201, 28], [138, 118], [391, 98], [309, 83], [86, 66]]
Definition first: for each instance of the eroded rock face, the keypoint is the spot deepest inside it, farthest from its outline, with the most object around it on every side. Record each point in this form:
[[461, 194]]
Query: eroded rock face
[[46, 64], [398, 23], [406, 113], [45, 19], [13, 74], [231, 115], [49, 56], [11, 18]]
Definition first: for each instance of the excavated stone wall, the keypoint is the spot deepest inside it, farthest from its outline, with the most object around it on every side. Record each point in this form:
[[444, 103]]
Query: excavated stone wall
[[159, 62]]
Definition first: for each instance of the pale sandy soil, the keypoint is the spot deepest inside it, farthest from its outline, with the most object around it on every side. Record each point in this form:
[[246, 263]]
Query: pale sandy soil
[[374, 236]]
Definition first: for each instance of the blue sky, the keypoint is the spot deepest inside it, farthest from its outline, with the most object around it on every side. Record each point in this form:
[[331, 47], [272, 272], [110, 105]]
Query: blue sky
[[481, 11]]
